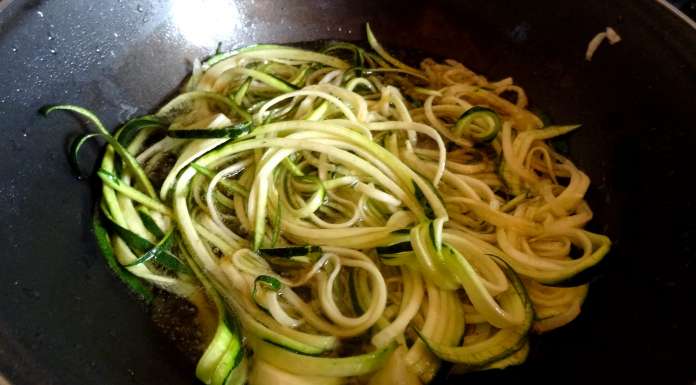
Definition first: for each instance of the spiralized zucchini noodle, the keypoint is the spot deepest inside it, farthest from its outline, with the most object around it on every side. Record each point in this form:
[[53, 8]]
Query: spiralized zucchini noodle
[[338, 216]]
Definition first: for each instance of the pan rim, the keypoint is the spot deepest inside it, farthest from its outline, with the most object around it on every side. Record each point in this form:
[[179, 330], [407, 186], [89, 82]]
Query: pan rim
[[677, 12]]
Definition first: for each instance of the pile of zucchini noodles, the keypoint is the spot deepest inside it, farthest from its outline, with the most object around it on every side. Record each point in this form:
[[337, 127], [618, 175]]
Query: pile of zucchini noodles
[[341, 217]]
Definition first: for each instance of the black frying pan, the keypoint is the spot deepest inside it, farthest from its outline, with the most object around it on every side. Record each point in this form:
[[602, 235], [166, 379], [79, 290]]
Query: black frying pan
[[64, 319]]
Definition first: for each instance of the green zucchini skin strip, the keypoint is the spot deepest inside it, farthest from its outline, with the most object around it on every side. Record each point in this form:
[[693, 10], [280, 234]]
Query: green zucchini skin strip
[[232, 132], [270, 283], [125, 155], [136, 285], [395, 248], [289, 252], [159, 253], [150, 223], [322, 366], [128, 131], [465, 124], [74, 150]]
